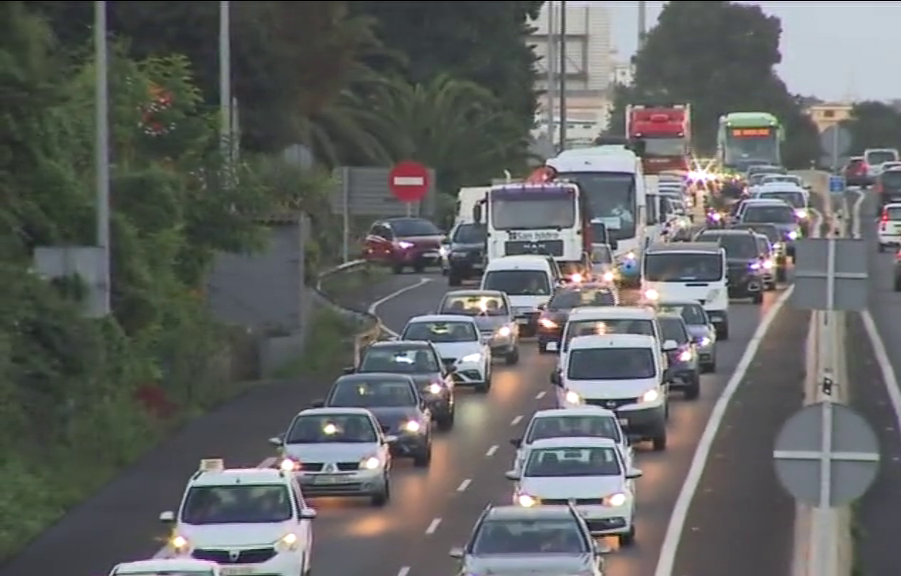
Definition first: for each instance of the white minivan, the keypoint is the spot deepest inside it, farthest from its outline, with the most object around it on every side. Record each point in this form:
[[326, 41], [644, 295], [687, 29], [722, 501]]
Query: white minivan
[[625, 373], [529, 282], [694, 271]]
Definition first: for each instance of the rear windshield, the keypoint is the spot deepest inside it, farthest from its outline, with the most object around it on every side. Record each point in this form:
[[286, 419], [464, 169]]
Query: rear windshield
[[880, 156], [796, 199], [518, 282], [673, 329], [893, 212], [574, 298], [414, 227], [608, 326], [892, 179], [736, 246], [777, 214]]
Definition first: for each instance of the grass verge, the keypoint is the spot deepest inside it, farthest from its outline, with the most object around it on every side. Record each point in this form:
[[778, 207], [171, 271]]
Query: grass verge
[[328, 347], [339, 287]]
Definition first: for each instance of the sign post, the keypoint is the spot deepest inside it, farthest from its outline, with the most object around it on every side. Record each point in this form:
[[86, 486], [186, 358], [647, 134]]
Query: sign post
[[409, 182]]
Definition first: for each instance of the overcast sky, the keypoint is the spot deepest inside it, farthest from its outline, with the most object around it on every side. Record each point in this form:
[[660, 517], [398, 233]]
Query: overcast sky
[[830, 49]]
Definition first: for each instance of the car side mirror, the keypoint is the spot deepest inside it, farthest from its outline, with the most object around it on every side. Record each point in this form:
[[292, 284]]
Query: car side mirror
[[477, 213], [456, 553], [669, 345], [511, 475], [390, 439], [317, 403], [307, 514], [516, 442], [167, 517], [614, 244], [634, 473], [349, 369], [542, 306], [277, 441], [450, 369], [555, 378]]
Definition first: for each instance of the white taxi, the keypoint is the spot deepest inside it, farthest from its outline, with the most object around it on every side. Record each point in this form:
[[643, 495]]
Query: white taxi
[[587, 473], [890, 226], [167, 566], [248, 520], [459, 342]]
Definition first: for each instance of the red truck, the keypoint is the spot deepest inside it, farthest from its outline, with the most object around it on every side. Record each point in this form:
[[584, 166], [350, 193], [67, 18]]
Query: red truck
[[666, 132]]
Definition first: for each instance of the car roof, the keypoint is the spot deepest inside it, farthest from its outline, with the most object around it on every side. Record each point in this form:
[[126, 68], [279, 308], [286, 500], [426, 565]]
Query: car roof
[[370, 376], [396, 219], [524, 262], [474, 292], [329, 410], [613, 312], [684, 247], [726, 232], [442, 318], [679, 303], [583, 285], [513, 512], [574, 442], [779, 187], [236, 476], [578, 411], [400, 344], [163, 565], [612, 341]]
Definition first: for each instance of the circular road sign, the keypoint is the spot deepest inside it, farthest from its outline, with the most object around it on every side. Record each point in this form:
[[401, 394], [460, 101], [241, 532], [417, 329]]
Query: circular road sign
[[409, 181], [818, 440]]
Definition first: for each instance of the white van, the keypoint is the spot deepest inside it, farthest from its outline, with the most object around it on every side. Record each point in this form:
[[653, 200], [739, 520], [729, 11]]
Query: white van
[[529, 282], [688, 271], [626, 373]]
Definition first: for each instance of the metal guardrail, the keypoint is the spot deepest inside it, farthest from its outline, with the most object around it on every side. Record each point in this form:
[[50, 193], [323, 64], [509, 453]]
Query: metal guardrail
[[373, 330]]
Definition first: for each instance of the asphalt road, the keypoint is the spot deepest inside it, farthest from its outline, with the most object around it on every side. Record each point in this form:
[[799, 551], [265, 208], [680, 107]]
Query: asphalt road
[[880, 508]]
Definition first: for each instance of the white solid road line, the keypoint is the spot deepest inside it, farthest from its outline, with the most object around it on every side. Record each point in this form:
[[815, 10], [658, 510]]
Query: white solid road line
[[464, 485], [516, 420], [855, 213], [433, 526], [404, 570], [375, 305], [670, 546], [491, 451]]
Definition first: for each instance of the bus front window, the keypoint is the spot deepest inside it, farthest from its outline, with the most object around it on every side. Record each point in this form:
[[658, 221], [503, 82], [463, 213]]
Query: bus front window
[[610, 198]]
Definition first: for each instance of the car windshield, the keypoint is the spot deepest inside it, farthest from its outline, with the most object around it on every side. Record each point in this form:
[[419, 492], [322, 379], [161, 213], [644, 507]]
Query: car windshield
[[469, 234], [684, 267], [877, 157], [407, 227], [418, 360], [794, 199], [237, 504], [736, 246], [331, 429], [610, 364], [603, 254], [692, 314], [585, 296], [673, 329], [529, 536], [771, 232], [763, 244], [556, 462], [607, 326], [594, 426], [777, 214], [372, 394], [474, 305], [439, 332], [518, 282], [782, 178]]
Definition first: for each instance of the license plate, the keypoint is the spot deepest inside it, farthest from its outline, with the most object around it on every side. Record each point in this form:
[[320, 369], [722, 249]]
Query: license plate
[[716, 320], [431, 254], [522, 321], [326, 479], [552, 346], [235, 570], [623, 421]]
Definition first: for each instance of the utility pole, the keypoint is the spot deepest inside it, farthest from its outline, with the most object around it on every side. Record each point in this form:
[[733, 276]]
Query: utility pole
[[101, 150], [642, 22], [225, 84], [551, 64], [562, 73]]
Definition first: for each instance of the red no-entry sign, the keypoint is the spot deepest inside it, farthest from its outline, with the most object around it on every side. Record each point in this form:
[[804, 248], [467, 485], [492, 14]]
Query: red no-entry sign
[[408, 181]]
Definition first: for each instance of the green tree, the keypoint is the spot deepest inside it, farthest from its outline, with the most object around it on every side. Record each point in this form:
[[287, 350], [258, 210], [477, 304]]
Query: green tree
[[719, 57], [873, 125]]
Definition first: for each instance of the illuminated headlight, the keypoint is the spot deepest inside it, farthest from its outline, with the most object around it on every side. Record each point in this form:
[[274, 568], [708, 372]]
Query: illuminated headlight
[[527, 501], [685, 356], [287, 543], [801, 213], [608, 277], [405, 245], [650, 396], [504, 331], [547, 323], [443, 251], [179, 543], [705, 341], [372, 462], [651, 294], [289, 465], [434, 388], [793, 235], [716, 216], [615, 500], [630, 256], [412, 426], [573, 397], [576, 278], [754, 265], [471, 358], [768, 264]]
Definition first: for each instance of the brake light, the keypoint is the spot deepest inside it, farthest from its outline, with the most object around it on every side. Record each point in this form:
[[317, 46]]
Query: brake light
[[898, 256], [884, 217]]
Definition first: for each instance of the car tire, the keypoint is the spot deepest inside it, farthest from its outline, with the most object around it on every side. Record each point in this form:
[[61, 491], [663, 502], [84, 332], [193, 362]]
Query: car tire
[[627, 539], [383, 497], [513, 357], [757, 298], [709, 368], [398, 269], [693, 390], [658, 443], [722, 332], [453, 279], [770, 287], [424, 459], [446, 421]]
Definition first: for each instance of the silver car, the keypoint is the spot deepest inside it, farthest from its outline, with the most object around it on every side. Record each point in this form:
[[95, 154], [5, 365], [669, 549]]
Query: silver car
[[699, 327], [539, 540], [338, 452], [494, 316]]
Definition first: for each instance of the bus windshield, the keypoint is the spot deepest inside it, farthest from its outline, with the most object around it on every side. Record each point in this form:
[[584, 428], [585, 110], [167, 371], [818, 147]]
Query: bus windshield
[[532, 210], [744, 145], [611, 200]]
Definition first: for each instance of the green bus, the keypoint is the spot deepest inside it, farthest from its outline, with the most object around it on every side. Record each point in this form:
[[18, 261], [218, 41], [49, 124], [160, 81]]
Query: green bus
[[748, 138]]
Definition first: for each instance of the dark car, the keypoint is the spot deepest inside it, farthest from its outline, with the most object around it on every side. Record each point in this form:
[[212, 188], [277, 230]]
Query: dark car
[[897, 271], [465, 256], [888, 187], [554, 315], [396, 403], [744, 266], [421, 362], [856, 172], [404, 242], [777, 247], [779, 214], [684, 361], [700, 327]]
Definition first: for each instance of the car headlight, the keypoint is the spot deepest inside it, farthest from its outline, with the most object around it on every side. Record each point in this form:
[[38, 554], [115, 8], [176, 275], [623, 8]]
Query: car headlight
[[504, 331], [289, 465], [608, 277], [372, 462], [801, 213], [434, 388], [405, 245], [614, 500], [412, 426], [547, 323], [527, 501], [705, 341], [793, 235], [650, 396], [651, 294], [287, 543], [754, 265], [685, 356], [443, 251], [768, 264], [630, 256], [471, 358], [573, 397], [180, 544]]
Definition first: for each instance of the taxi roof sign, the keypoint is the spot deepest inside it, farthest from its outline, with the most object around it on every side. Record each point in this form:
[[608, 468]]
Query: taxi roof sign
[[212, 465]]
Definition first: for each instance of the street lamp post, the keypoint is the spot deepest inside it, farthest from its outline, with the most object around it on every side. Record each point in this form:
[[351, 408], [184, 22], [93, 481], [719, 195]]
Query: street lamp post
[[101, 151]]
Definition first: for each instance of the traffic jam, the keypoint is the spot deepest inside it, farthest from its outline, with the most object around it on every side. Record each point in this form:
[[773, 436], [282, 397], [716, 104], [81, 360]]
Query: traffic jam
[[620, 261]]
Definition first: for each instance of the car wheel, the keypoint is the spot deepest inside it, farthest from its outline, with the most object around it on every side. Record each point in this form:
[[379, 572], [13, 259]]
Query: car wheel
[[446, 421], [757, 298], [627, 539], [485, 386], [384, 496], [694, 389], [659, 442], [722, 332], [424, 458], [781, 275], [710, 368], [513, 357]]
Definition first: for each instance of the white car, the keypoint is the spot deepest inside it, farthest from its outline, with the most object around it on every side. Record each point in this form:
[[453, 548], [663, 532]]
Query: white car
[[173, 566], [247, 520], [889, 231], [338, 452], [581, 422], [459, 343], [588, 473]]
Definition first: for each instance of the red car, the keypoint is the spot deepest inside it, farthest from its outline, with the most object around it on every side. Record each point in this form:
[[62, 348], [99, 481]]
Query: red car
[[403, 242], [857, 172]]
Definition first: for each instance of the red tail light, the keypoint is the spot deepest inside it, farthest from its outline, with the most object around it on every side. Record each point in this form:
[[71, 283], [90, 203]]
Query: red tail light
[[898, 256], [884, 217]]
